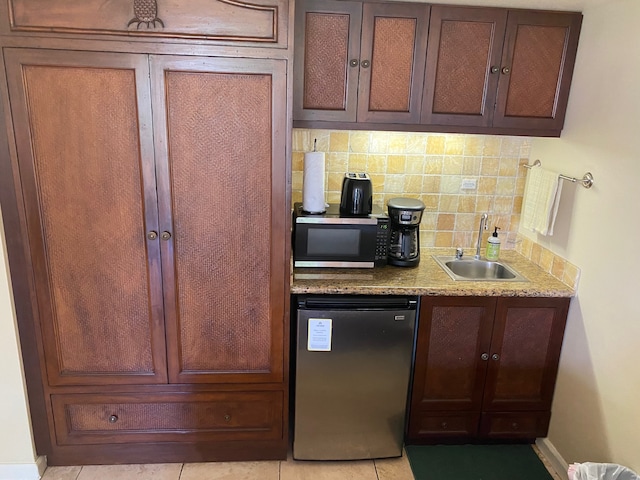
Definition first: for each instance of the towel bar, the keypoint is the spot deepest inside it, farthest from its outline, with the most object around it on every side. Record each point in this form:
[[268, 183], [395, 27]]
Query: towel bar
[[586, 181]]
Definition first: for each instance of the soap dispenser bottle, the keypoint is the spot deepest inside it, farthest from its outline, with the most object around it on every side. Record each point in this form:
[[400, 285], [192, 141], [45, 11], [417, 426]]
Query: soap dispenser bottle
[[493, 246]]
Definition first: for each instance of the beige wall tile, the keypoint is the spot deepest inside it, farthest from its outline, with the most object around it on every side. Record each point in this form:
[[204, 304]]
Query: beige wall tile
[[449, 203], [376, 163], [378, 142], [358, 162], [431, 201], [492, 146], [446, 221], [506, 186], [490, 166], [444, 239], [546, 260], [394, 184], [473, 145], [471, 166], [435, 144], [454, 145], [433, 165], [396, 164], [487, 185], [467, 204], [452, 165], [397, 143], [415, 164], [416, 143], [231, 471], [336, 162], [359, 142], [413, 184], [339, 142], [508, 167]]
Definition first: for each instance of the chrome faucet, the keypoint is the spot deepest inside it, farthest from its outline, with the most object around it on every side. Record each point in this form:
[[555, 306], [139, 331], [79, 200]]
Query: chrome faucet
[[483, 226]]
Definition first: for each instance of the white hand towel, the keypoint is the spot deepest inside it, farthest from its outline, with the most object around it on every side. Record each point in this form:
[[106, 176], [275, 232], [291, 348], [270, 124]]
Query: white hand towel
[[541, 200]]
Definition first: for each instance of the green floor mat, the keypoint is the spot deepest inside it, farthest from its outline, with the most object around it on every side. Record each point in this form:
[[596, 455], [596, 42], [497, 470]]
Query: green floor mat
[[476, 462]]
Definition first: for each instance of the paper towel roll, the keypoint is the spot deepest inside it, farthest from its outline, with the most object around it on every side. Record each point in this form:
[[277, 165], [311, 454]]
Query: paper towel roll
[[313, 183]]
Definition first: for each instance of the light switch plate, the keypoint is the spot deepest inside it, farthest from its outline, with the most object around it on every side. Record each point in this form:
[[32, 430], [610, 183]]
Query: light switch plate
[[469, 184]]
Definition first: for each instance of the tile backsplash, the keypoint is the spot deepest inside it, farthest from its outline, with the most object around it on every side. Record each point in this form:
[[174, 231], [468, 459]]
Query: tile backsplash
[[429, 167]]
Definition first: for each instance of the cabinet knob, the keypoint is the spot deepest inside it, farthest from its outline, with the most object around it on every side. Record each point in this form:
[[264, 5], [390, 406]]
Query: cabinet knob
[[165, 236], [227, 418], [495, 356], [515, 426], [484, 356], [444, 425], [152, 235], [506, 70], [354, 62], [495, 69], [365, 63], [113, 419]]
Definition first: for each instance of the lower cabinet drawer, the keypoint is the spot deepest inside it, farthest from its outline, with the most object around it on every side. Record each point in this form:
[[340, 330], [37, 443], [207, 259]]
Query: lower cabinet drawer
[[444, 425], [517, 425], [125, 418]]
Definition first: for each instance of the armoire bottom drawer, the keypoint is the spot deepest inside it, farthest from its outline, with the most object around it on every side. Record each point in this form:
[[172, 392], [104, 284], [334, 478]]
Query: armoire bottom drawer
[[167, 417]]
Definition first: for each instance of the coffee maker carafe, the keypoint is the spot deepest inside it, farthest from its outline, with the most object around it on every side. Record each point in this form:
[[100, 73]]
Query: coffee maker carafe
[[404, 245]]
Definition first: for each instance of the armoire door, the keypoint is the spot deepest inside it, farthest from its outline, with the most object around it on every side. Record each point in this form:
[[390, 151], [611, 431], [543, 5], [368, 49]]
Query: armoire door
[[221, 173], [82, 123]]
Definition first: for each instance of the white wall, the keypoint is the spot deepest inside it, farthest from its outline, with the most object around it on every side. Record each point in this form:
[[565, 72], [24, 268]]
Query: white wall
[[596, 410], [16, 446]]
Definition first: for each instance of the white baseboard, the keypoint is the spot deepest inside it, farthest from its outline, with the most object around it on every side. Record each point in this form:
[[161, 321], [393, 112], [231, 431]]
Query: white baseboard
[[27, 471], [553, 456]]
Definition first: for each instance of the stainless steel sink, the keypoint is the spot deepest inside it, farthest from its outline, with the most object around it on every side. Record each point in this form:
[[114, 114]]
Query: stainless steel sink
[[478, 270]]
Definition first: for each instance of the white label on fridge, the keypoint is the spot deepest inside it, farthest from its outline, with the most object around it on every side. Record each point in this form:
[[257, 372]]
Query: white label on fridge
[[319, 338]]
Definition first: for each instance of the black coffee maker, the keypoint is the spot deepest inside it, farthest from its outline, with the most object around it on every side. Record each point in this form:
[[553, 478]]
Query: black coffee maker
[[404, 245]]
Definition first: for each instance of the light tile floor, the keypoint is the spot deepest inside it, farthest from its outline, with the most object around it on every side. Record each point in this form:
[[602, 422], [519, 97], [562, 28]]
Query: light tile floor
[[387, 469]]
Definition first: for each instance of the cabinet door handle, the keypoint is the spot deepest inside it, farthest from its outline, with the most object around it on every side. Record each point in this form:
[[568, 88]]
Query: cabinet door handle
[[165, 236], [495, 356], [365, 63], [506, 70], [495, 69], [354, 62], [152, 235], [113, 418], [484, 356]]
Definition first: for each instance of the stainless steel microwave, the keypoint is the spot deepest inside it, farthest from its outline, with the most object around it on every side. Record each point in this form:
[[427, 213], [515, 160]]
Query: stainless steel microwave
[[333, 240]]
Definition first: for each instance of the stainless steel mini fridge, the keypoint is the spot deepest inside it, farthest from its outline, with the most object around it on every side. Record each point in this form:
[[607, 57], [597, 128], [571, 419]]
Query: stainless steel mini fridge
[[352, 373]]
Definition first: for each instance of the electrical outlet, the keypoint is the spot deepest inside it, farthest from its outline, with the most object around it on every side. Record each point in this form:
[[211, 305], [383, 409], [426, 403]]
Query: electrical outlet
[[469, 184]]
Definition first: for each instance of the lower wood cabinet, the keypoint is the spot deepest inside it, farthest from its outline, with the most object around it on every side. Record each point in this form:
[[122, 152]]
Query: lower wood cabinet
[[485, 367]]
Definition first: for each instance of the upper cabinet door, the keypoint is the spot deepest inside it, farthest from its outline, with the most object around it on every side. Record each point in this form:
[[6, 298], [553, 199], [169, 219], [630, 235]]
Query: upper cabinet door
[[258, 22], [221, 168], [536, 69], [85, 156], [392, 58], [463, 59], [327, 60]]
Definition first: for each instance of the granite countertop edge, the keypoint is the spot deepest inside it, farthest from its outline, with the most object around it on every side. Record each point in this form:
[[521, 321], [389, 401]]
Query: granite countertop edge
[[428, 278]]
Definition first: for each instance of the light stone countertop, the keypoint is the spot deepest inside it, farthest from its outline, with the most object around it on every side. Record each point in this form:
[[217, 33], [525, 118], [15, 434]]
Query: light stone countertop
[[428, 278]]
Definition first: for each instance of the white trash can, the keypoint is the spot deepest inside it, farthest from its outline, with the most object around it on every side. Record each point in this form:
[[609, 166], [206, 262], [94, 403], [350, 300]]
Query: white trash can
[[600, 471]]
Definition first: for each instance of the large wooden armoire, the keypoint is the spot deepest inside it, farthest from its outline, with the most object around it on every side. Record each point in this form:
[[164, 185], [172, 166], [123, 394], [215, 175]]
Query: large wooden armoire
[[146, 208]]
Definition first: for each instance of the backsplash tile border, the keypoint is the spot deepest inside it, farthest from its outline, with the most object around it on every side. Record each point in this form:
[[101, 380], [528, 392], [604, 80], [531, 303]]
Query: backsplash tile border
[[554, 264]]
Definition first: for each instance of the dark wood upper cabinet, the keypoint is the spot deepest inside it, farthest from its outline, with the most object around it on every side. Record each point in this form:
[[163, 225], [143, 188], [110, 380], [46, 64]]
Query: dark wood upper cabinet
[[359, 62], [499, 68], [485, 367], [464, 45], [432, 68], [537, 65]]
